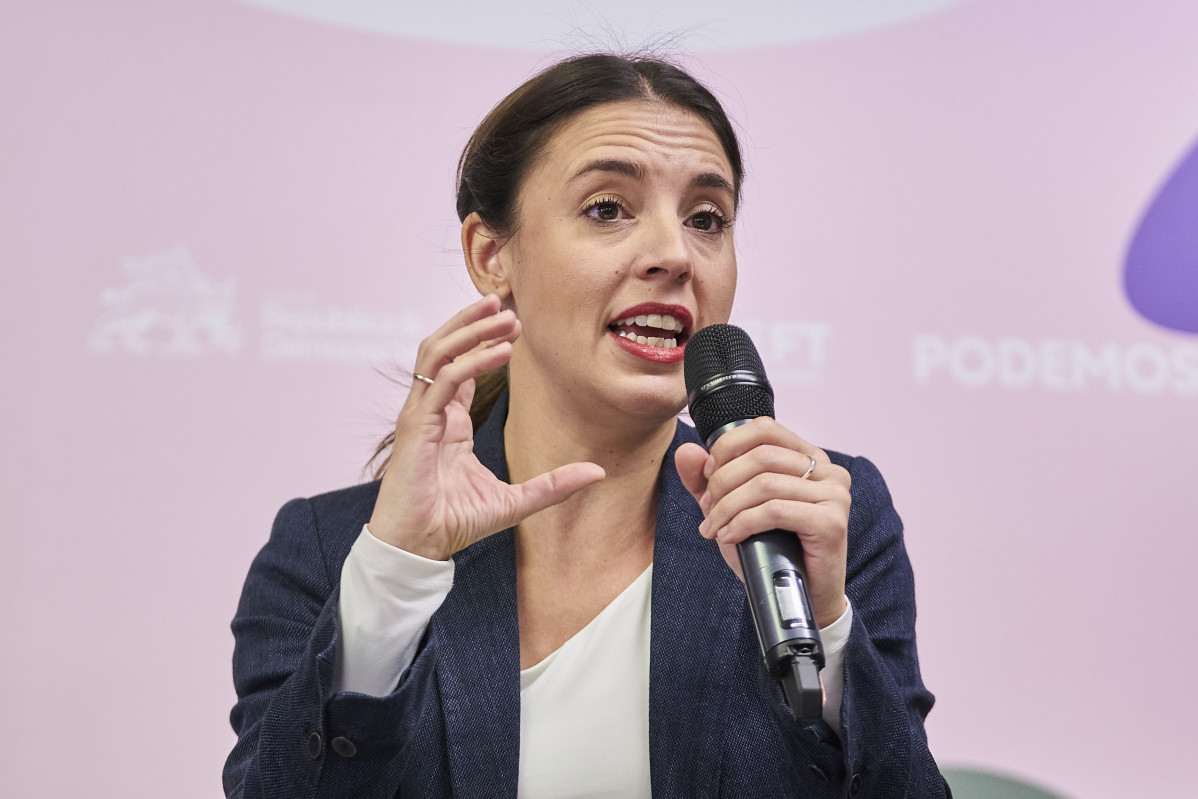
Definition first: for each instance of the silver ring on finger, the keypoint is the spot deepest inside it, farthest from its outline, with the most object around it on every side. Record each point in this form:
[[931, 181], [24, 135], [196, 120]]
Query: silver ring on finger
[[428, 380], [810, 469]]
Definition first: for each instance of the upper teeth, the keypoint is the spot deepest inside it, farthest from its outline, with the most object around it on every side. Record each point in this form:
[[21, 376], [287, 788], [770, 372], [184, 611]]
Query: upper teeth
[[660, 321]]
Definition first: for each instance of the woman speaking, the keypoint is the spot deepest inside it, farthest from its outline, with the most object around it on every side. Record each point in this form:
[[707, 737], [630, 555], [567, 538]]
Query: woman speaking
[[541, 596]]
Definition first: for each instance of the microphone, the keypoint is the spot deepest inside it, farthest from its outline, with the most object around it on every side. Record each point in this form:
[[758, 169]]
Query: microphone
[[726, 387]]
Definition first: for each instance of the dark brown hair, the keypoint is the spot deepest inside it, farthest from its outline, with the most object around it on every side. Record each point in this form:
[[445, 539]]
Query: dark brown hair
[[507, 144], [514, 135]]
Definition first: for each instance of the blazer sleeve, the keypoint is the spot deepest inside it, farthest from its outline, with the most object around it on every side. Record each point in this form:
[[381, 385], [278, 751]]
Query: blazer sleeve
[[884, 702], [294, 739]]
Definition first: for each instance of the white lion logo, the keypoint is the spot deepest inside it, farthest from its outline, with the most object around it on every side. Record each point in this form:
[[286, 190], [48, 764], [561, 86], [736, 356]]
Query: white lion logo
[[168, 308]]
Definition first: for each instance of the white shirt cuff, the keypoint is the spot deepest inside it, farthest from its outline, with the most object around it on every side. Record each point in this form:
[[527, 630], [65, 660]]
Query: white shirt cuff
[[387, 597], [834, 637]]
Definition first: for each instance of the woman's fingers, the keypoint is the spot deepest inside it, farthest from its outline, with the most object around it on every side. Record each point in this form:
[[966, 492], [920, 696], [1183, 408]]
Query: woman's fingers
[[550, 488], [763, 489], [459, 351], [479, 333], [766, 458], [758, 478], [436, 497], [481, 309], [822, 531], [447, 345], [810, 520], [689, 459], [468, 366], [763, 446], [740, 440]]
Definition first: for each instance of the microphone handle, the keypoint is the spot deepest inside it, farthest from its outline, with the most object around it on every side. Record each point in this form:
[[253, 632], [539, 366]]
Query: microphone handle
[[776, 584]]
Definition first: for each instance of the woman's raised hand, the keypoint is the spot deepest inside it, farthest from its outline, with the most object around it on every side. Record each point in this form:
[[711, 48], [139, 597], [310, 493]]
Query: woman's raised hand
[[759, 477], [436, 498]]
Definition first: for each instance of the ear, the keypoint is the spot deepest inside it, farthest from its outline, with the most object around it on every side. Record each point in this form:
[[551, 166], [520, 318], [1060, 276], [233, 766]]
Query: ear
[[486, 258]]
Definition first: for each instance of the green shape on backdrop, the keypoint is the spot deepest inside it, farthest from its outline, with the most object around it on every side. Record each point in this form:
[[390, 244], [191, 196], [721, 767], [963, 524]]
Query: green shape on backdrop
[[973, 784]]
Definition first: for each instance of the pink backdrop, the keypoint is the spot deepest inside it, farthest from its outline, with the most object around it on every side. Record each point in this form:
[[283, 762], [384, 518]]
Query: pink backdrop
[[217, 220]]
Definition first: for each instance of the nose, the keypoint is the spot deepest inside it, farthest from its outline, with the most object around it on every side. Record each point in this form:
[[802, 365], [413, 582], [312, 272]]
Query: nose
[[667, 253]]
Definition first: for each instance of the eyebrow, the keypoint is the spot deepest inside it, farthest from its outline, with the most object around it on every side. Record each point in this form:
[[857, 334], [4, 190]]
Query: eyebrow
[[626, 168], [710, 180], [705, 180]]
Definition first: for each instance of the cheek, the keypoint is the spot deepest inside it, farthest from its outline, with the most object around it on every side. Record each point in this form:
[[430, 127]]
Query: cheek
[[718, 291], [556, 289], [730, 291]]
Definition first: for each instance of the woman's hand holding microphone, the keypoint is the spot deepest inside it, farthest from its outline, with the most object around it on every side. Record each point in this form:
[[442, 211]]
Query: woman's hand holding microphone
[[760, 477]]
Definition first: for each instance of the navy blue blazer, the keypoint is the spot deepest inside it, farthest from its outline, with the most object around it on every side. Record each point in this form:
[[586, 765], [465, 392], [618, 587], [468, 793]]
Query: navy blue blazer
[[718, 726]]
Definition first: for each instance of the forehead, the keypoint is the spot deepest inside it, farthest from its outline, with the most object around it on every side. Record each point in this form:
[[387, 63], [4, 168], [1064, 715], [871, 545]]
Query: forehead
[[653, 134]]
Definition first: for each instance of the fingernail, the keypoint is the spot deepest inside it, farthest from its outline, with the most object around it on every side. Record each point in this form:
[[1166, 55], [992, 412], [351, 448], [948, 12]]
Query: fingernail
[[703, 528], [705, 501]]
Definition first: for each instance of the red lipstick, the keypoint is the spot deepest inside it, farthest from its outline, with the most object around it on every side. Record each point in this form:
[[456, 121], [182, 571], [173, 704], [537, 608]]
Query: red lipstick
[[634, 327]]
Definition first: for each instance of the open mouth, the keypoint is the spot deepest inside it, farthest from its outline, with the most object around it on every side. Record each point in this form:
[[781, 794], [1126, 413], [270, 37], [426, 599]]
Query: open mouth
[[665, 331], [653, 331]]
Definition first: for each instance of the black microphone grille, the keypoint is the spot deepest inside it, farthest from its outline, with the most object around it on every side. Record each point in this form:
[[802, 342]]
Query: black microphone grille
[[725, 379], [717, 350]]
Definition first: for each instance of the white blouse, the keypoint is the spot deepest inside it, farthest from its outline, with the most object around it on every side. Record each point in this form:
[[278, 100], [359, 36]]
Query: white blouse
[[584, 710]]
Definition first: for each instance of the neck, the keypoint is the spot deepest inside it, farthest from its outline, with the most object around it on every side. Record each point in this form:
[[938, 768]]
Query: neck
[[609, 525]]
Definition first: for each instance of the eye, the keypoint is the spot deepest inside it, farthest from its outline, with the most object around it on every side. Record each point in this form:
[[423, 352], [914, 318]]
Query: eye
[[605, 209], [709, 220]]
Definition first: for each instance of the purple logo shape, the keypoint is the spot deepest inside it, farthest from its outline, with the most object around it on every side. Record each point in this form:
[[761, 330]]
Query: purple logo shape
[[1161, 272]]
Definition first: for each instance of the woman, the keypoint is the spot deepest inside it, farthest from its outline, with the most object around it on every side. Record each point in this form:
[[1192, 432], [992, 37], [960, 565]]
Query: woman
[[546, 603]]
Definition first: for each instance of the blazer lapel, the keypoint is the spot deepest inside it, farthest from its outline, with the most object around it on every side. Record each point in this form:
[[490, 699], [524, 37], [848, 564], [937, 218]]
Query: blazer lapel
[[697, 609], [478, 646]]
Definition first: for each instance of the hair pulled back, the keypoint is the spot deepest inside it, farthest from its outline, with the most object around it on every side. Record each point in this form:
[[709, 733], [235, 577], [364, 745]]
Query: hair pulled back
[[513, 136]]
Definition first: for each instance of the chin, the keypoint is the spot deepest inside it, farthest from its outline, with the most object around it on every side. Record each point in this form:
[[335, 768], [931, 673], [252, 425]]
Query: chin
[[652, 399]]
